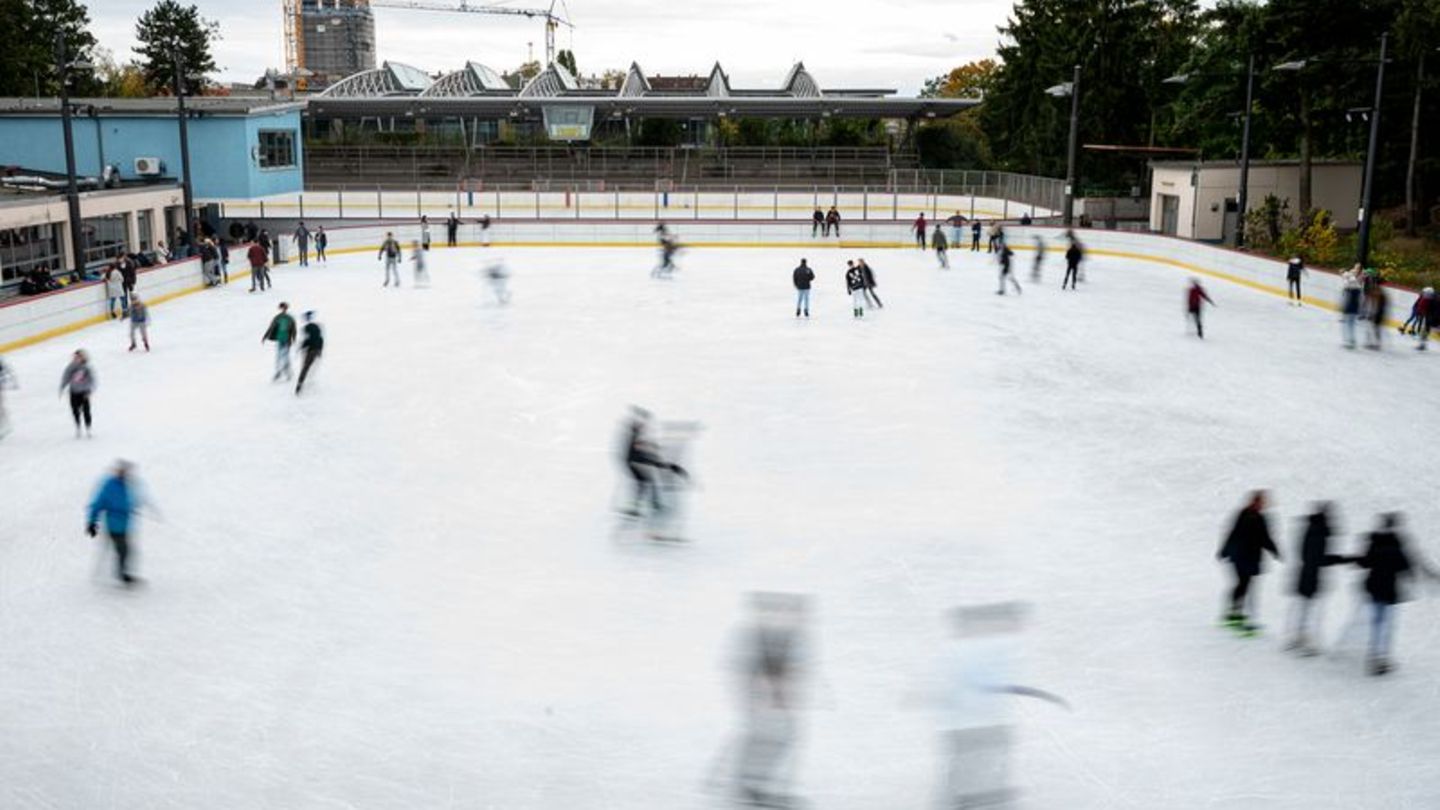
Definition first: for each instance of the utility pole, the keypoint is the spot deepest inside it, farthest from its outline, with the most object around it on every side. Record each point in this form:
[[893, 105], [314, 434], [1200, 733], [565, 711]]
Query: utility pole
[[184, 146], [72, 190], [1070, 168], [1245, 152], [1362, 242]]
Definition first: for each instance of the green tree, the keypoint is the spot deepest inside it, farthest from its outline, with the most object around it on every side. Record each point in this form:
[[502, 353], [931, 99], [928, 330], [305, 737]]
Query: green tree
[[169, 28], [27, 62], [954, 144], [566, 59]]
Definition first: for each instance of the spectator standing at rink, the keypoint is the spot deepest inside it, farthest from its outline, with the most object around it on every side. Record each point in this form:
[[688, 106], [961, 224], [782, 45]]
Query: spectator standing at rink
[[1294, 270], [282, 331], [312, 346], [485, 230], [997, 237], [957, 228], [139, 322], [919, 228], [1377, 308], [417, 255], [1195, 300], [128, 276], [975, 236], [452, 229], [771, 667], [869, 277], [390, 252], [1350, 295], [425, 231], [818, 227], [1073, 256], [1039, 259], [115, 291], [1006, 258], [855, 287], [1314, 555], [259, 279], [802, 277], [302, 243], [1386, 561], [1245, 548], [222, 248], [79, 378], [117, 499], [832, 221], [209, 262], [941, 245]]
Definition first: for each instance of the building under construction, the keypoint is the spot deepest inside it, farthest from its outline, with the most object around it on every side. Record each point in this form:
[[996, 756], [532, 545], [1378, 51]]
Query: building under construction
[[331, 39]]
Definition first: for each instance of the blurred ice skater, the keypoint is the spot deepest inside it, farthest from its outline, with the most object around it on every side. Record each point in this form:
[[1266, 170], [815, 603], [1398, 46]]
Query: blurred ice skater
[[498, 275], [655, 475], [1314, 555], [980, 673], [1245, 548], [1376, 309], [868, 276], [1195, 300], [1387, 561], [1294, 271], [1039, 260], [1006, 259], [771, 666], [282, 331], [1350, 295], [1074, 255], [941, 246], [79, 378], [117, 499], [7, 381], [417, 256], [668, 247], [139, 322], [312, 345]]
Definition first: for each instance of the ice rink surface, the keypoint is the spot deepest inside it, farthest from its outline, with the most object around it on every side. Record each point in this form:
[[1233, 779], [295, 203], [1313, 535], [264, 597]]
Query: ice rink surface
[[404, 589]]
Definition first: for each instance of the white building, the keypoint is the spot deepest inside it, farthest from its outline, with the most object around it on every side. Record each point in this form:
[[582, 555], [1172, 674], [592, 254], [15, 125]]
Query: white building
[[1199, 199]]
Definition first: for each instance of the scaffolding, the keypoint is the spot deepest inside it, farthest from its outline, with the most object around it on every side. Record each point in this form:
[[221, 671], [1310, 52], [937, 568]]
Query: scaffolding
[[328, 40]]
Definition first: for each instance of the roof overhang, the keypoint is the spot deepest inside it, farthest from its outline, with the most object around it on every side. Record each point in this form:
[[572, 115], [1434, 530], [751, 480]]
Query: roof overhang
[[646, 106]]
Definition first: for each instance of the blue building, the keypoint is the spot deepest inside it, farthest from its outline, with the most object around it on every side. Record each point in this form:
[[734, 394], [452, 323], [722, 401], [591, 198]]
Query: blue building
[[240, 148]]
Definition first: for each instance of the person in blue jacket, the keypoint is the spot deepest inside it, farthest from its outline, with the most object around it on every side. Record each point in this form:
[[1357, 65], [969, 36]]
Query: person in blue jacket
[[118, 498]]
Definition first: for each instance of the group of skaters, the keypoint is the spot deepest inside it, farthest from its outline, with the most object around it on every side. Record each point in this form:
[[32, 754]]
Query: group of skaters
[[823, 222], [284, 333], [1386, 560], [976, 679]]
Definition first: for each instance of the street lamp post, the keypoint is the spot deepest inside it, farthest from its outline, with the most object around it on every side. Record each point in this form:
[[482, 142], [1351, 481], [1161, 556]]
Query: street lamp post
[[1244, 194], [1071, 89], [1362, 241], [180, 113], [72, 190]]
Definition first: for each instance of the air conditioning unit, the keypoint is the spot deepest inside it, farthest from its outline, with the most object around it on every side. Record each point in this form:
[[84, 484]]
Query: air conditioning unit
[[149, 167]]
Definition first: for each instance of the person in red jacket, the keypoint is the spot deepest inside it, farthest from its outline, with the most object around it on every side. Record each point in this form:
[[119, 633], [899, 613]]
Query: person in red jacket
[[1195, 299], [920, 230], [259, 276]]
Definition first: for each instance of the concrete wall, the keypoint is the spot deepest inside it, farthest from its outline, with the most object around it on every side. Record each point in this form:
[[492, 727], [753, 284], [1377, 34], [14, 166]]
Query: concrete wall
[[20, 213], [1335, 187], [29, 320], [223, 162]]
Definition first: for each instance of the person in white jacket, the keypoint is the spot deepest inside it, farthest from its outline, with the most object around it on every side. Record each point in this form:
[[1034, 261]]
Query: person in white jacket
[[115, 291]]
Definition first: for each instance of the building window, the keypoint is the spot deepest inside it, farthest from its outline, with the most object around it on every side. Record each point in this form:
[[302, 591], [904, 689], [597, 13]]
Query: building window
[[277, 148], [25, 249], [105, 237], [145, 224]]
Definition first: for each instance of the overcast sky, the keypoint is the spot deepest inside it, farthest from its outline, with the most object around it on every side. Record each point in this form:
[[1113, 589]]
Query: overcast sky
[[844, 43]]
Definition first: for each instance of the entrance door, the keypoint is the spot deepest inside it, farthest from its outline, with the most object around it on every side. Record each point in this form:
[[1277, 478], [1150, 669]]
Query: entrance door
[[1170, 214], [1231, 219]]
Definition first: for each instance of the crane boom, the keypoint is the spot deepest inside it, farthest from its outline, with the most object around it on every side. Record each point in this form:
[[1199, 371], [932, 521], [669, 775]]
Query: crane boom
[[552, 20]]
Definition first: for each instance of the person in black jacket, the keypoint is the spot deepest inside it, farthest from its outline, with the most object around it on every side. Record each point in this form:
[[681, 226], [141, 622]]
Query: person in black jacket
[[832, 221], [868, 276], [817, 224], [1073, 255], [452, 227], [855, 287], [1314, 554], [802, 277], [1387, 562], [1245, 547], [642, 453], [312, 346]]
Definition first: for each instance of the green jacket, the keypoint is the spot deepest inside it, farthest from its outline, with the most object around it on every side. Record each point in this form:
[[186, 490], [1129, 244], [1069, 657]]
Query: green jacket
[[282, 329]]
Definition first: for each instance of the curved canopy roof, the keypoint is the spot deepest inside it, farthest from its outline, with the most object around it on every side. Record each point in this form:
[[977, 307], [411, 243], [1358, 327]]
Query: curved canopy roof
[[390, 79], [472, 80]]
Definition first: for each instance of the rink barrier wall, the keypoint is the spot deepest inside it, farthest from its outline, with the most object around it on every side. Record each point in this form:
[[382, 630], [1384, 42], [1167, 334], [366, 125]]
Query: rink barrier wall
[[31, 319], [1321, 287]]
